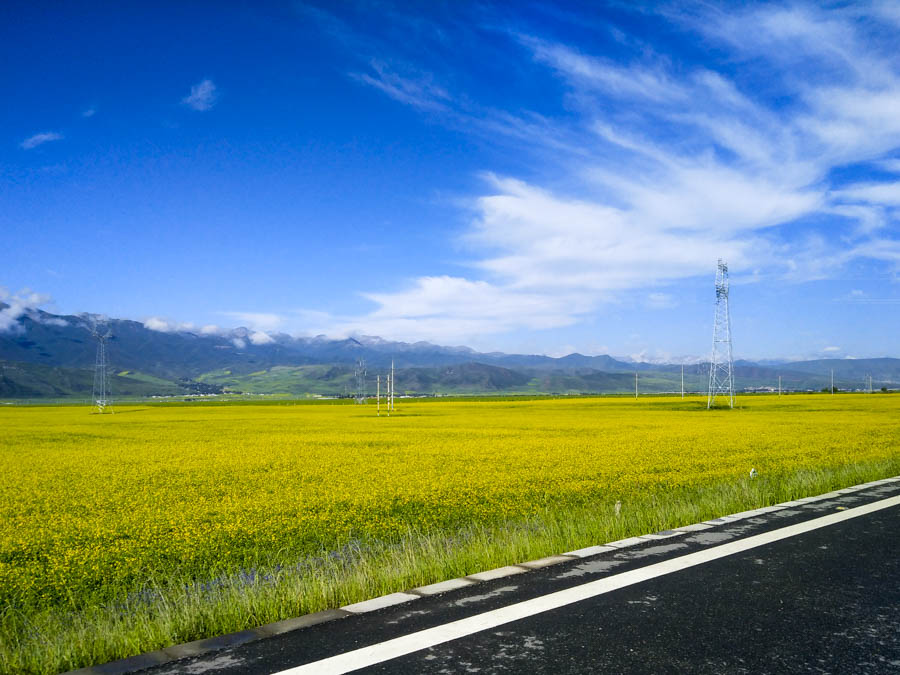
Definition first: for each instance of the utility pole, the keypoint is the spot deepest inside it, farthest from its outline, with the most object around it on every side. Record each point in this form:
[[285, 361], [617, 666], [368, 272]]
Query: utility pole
[[682, 380], [832, 381], [378, 395], [779, 385], [392, 385], [635, 386]]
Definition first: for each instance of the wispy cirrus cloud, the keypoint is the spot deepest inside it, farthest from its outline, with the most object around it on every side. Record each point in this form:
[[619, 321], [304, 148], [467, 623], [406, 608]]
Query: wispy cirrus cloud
[[418, 90], [668, 165], [39, 139], [598, 74], [203, 96], [882, 194]]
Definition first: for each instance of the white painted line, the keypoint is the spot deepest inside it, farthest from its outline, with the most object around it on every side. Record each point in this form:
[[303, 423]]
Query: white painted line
[[407, 644], [589, 551], [443, 586], [497, 573], [379, 602]]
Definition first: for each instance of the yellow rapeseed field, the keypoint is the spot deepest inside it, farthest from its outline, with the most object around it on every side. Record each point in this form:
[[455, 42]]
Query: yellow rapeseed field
[[95, 509]]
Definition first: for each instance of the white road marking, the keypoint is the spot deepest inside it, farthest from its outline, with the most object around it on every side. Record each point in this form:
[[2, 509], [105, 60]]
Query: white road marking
[[407, 644]]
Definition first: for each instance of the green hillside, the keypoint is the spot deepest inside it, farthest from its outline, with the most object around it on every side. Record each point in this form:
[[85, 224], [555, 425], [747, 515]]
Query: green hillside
[[32, 380], [483, 379]]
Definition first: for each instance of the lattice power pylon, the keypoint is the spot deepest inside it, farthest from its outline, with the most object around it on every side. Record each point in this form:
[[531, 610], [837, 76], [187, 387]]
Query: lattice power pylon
[[361, 381], [721, 365], [100, 396]]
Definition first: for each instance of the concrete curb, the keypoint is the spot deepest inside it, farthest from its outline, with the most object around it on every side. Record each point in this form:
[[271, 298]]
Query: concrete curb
[[198, 647]]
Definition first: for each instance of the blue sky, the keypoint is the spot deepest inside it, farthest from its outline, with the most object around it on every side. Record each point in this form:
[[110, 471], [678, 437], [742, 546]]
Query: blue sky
[[525, 177]]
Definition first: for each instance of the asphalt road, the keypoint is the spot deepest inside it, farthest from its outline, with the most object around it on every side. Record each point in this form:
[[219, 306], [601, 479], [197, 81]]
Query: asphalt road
[[825, 600]]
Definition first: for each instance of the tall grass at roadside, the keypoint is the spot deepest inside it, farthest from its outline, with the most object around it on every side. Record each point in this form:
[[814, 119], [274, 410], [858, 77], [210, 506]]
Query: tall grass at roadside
[[432, 521]]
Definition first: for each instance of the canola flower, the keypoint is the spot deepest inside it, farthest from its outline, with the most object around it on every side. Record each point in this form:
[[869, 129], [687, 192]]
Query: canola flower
[[95, 509]]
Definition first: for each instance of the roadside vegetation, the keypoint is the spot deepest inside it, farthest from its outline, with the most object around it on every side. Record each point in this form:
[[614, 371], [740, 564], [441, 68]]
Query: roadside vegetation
[[125, 533]]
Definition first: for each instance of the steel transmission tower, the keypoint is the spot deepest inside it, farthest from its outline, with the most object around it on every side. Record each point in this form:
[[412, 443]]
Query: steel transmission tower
[[361, 381], [721, 366], [100, 396]]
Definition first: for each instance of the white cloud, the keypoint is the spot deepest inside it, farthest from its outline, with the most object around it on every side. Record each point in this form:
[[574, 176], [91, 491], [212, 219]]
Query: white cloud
[[660, 301], [831, 349], [884, 194], [418, 90], [259, 321], [40, 139], [89, 112], [545, 241], [892, 165], [627, 82], [260, 338], [449, 309], [887, 250], [682, 168], [166, 326], [23, 303], [659, 169], [157, 324], [239, 343], [210, 329], [203, 96]]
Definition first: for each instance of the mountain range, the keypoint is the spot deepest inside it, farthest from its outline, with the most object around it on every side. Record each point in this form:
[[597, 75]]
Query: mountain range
[[48, 355]]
